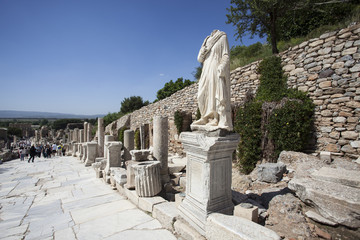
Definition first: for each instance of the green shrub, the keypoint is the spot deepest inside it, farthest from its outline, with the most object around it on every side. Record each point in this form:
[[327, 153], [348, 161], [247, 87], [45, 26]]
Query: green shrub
[[198, 114], [248, 125], [272, 80], [178, 120], [137, 139], [289, 125], [121, 134]]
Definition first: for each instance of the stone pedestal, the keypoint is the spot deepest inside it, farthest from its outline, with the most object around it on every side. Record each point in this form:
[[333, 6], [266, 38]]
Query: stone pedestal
[[100, 151], [130, 174], [74, 149], [91, 153], [208, 187], [160, 152], [128, 144], [147, 178], [113, 156], [108, 138]]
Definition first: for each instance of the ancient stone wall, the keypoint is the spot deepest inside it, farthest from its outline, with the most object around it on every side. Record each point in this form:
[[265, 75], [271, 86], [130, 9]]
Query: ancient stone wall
[[327, 68]]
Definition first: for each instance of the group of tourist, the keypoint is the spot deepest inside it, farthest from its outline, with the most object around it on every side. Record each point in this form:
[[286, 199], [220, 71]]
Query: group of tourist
[[46, 150]]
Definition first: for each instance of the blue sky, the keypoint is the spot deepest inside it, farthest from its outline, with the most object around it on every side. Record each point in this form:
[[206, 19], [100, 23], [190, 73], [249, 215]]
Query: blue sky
[[86, 56]]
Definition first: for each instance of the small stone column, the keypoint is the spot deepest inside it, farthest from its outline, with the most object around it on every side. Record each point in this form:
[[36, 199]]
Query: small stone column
[[74, 149], [142, 137], [128, 144], [160, 151], [85, 131], [108, 138], [81, 134], [91, 153], [208, 173], [147, 178], [88, 135], [100, 152], [76, 133], [71, 135], [113, 156]]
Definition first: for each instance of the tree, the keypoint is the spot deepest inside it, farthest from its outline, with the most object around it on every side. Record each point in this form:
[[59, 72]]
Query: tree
[[62, 123], [14, 131], [259, 17], [132, 103], [197, 72], [172, 87]]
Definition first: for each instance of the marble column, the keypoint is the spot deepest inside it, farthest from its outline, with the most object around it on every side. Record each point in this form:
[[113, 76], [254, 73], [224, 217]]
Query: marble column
[[160, 151], [100, 137], [76, 133], [81, 135], [85, 131], [88, 135], [128, 144], [208, 173]]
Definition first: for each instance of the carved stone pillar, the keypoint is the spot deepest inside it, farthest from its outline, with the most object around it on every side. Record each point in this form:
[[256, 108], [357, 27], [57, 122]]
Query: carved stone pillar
[[208, 185], [91, 153]]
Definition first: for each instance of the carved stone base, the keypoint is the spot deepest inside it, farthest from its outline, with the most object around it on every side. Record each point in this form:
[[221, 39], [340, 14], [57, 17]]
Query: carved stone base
[[208, 187], [91, 153]]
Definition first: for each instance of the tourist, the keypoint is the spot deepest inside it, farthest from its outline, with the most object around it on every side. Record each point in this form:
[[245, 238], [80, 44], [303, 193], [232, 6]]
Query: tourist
[[48, 151], [32, 153], [54, 149], [63, 151], [22, 153], [59, 150]]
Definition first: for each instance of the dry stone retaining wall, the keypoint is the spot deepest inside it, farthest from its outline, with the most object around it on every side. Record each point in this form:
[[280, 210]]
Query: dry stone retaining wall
[[327, 68]]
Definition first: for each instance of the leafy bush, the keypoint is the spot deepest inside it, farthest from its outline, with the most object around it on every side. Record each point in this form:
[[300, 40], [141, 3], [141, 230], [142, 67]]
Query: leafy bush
[[110, 117], [248, 125], [178, 120], [137, 139], [131, 104], [121, 133], [288, 124], [14, 131]]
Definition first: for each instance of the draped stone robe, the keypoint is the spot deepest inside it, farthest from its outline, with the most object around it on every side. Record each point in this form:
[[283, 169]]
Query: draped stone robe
[[214, 84]]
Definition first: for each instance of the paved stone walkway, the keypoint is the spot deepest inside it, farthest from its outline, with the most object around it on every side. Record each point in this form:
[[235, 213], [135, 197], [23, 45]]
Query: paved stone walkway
[[59, 198]]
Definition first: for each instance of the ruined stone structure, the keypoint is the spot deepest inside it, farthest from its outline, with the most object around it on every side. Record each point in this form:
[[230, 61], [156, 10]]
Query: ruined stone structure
[[326, 67]]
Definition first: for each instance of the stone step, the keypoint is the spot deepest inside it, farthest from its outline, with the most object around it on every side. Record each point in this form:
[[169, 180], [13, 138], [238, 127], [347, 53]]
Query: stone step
[[334, 201], [342, 176]]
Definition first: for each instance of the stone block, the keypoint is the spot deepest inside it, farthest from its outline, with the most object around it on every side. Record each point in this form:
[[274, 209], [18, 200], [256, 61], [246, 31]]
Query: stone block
[[166, 213], [130, 174], [271, 172], [247, 211], [179, 197], [186, 232], [342, 176], [318, 218], [220, 226], [176, 168], [148, 203], [139, 155], [325, 156], [132, 196], [182, 182], [119, 175], [334, 201]]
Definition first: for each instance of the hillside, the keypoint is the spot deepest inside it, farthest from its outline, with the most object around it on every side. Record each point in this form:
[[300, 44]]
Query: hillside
[[31, 114]]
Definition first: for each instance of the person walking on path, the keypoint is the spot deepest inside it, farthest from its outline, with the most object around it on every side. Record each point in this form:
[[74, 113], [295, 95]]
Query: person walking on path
[[32, 153], [22, 153]]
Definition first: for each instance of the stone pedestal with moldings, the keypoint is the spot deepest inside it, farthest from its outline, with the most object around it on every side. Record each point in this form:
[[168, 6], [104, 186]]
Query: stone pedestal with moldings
[[208, 187], [91, 148]]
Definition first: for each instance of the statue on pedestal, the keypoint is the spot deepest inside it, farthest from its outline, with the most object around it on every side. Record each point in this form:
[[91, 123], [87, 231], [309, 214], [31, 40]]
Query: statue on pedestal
[[214, 84]]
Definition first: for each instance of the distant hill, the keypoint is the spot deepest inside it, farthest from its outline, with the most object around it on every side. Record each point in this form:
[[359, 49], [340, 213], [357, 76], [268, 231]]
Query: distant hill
[[30, 114]]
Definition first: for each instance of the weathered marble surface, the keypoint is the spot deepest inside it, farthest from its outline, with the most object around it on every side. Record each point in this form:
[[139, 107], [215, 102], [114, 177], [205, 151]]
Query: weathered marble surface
[[76, 200]]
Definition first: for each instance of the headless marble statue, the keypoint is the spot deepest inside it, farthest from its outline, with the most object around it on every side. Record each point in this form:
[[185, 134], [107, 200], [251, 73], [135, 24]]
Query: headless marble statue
[[214, 84]]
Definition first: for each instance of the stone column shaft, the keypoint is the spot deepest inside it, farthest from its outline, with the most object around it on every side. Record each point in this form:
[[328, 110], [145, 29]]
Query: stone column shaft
[[100, 137], [160, 152], [128, 143]]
